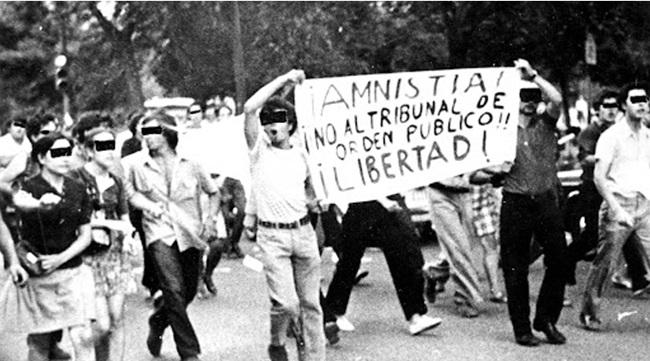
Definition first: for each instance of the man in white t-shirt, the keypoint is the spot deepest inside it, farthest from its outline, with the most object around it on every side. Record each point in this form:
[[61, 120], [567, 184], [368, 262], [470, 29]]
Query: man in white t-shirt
[[281, 196], [14, 142]]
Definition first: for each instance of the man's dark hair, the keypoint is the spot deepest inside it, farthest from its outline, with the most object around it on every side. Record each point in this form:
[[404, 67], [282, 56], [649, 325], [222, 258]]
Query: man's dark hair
[[36, 123], [275, 103], [20, 119], [622, 96], [44, 144], [90, 120], [134, 119], [164, 119], [606, 94]]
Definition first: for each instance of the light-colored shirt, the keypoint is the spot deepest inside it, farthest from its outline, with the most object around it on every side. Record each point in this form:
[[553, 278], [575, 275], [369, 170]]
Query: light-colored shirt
[[228, 152], [279, 182], [628, 154], [182, 222], [9, 148]]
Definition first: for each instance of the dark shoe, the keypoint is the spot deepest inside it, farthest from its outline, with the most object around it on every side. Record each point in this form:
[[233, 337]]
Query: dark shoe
[[553, 336], [466, 310], [278, 353], [360, 276], [332, 332], [589, 322], [58, 354], [207, 280], [528, 340], [154, 343], [640, 291]]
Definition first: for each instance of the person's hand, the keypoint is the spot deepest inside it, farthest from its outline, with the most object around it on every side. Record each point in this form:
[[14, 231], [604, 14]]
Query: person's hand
[[49, 200], [18, 275], [622, 217], [156, 210], [527, 72], [315, 206], [210, 229], [130, 245], [295, 76], [50, 262], [250, 226]]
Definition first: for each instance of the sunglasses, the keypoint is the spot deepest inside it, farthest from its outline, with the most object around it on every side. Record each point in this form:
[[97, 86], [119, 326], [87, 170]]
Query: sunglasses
[[274, 116], [609, 105], [152, 130], [102, 145], [638, 99], [530, 95], [19, 124], [60, 152]]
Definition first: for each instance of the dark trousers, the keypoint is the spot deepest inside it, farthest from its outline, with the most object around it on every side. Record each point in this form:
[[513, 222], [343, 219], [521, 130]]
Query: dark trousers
[[178, 275], [369, 224], [522, 217], [149, 278], [590, 201], [233, 204]]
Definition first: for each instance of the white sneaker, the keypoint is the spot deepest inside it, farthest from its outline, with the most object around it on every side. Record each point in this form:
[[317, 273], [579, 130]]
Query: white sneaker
[[421, 323], [344, 324]]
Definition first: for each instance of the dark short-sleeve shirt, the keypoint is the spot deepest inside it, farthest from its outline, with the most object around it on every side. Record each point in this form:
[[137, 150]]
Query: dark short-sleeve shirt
[[587, 140], [52, 231], [534, 170]]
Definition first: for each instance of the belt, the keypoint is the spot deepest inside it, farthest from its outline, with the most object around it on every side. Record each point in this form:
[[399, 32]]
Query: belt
[[278, 225]]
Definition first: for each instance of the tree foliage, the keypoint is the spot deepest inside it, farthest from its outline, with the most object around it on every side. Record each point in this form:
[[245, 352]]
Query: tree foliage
[[186, 48]]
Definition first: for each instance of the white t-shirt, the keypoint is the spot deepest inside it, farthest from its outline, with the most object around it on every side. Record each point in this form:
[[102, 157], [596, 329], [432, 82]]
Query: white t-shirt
[[9, 148], [279, 179]]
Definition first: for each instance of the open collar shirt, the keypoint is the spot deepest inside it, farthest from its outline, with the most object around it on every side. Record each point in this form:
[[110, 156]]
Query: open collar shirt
[[628, 154], [180, 193]]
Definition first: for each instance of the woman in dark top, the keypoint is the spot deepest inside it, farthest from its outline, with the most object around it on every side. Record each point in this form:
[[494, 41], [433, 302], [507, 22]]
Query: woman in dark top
[[111, 263], [58, 230]]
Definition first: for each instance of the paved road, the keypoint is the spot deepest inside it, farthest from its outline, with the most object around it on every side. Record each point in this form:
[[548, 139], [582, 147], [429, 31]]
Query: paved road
[[234, 325]]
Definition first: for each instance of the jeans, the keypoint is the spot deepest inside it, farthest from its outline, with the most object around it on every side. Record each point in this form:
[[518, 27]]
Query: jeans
[[178, 274], [292, 269], [522, 217], [369, 224], [449, 216], [612, 237]]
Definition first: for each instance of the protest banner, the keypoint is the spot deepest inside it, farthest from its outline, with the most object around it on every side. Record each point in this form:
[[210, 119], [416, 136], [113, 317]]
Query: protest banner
[[369, 136]]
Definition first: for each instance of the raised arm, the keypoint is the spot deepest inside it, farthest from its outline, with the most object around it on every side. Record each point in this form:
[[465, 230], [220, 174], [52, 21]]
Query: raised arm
[[553, 95], [255, 102]]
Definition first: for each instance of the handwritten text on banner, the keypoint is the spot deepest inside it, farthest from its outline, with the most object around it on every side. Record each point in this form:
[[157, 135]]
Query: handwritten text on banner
[[369, 136]]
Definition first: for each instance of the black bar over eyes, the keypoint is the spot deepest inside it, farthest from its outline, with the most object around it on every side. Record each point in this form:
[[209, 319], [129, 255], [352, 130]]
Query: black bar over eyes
[[275, 116], [60, 152], [152, 130], [20, 124], [530, 95], [638, 99], [101, 145], [609, 105]]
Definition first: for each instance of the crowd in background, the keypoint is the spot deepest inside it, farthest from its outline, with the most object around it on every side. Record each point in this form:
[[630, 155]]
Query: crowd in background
[[78, 204]]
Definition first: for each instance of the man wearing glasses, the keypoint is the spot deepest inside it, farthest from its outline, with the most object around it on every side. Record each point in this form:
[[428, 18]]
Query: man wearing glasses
[[530, 207], [621, 176]]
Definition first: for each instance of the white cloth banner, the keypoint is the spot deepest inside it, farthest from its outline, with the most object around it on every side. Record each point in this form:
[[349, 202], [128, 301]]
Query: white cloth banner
[[369, 136]]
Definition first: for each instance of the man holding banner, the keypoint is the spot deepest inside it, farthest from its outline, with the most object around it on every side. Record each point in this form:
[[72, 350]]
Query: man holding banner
[[530, 207], [281, 195]]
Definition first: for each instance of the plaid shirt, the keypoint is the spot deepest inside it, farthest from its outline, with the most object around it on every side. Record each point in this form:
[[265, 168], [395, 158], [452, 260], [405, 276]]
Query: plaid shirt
[[485, 210]]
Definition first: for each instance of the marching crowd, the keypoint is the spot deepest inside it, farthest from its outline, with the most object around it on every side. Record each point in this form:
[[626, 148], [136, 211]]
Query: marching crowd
[[76, 203]]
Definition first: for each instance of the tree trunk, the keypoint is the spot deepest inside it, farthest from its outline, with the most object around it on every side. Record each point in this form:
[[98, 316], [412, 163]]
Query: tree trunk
[[238, 60], [133, 81]]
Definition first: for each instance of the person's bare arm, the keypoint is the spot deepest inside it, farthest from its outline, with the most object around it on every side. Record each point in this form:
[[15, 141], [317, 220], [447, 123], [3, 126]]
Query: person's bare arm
[[600, 179], [555, 98], [255, 102]]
